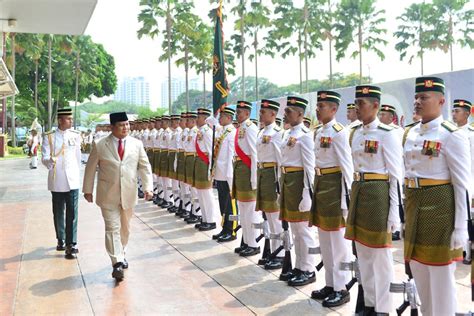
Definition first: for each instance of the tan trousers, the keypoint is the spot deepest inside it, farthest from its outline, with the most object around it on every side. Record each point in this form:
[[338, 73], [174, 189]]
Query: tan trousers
[[117, 231]]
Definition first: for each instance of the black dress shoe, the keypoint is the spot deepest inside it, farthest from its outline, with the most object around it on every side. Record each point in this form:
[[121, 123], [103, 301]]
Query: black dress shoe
[[240, 248], [141, 195], [172, 209], [368, 311], [322, 293], [304, 278], [250, 251], [117, 273], [193, 219], [185, 215], [226, 238], [71, 251], [61, 245], [337, 299], [166, 204], [274, 264], [290, 274], [216, 236], [396, 235], [125, 263], [207, 226], [199, 225]]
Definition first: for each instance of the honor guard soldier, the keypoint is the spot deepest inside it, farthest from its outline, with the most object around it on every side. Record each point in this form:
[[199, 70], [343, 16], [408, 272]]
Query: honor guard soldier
[[172, 162], [437, 189], [61, 154], [269, 141], [180, 167], [352, 115], [158, 197], [202, 171], [461, 112], [222, 171], [245, 178], [34, 143], [375, 198], [333, 178], [297, 168], [194, 215], [165, 180]]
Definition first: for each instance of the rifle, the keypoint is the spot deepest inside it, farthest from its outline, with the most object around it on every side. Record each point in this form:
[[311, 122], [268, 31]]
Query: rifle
[[354, 267], [286, 244], [265, 232], [407, 288]]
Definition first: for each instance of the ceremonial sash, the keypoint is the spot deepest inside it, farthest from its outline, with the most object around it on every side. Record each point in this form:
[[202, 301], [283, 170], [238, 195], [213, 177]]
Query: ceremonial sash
[[245, 159], [201, 154]]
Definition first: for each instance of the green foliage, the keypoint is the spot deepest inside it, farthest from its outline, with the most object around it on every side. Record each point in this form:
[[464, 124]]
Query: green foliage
[[109, 107], [16, 151], [146, 112]]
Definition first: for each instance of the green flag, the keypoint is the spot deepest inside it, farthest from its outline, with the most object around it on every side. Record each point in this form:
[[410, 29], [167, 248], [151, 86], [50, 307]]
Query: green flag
[[220, 87]]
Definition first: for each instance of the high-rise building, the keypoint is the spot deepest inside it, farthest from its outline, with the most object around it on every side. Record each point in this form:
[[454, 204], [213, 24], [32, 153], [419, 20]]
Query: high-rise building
[[178, 86], [133, 91]]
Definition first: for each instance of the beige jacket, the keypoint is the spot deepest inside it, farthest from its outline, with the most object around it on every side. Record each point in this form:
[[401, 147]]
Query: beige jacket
[[117, 180]]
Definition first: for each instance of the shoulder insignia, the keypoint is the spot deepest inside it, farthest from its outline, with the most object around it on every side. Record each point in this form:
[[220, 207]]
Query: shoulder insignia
[[249, 123], [318, 126], [305, 129], [338, 127], [385, 127], [471, 128], [449, 126], [356, 126], [277, 128]]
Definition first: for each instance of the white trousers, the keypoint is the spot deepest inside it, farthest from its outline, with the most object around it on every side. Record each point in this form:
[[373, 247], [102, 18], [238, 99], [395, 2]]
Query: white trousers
[[334, 250], [274, 223], [167, 188], [185, 195], [376, 271], [248, 216], [117, 231], [208, 206], [195, 201], [176, 192], [436, 287], [303, 239], [34, 161]]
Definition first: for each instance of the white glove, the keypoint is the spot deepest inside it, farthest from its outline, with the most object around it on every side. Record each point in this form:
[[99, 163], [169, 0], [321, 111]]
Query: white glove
[[212, 121], [459, 238], [344, 214], [392, 226], [305, 204]]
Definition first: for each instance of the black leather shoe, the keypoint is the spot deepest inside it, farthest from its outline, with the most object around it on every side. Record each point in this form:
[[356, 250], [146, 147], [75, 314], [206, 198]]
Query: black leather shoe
[[166, 204], [199, 225], [304, 278], [274, 264], [172, 209], [61, 245], [216, 236], [226, 238], [337, 299], [207, 226], [185, 215], [240, 248], [193, 219], [290, 274], [125, 264], [141, 195], [322, 293], [250, 251], [155, 199], [71, 251], [368, 311], [117, 273], [396, 235]]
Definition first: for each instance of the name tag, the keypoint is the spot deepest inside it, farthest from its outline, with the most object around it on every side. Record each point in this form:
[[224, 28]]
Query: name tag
[[371, 146], [431, 148]]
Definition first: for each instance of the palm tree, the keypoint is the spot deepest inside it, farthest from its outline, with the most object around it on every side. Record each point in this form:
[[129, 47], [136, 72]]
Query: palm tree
[[239, 38], [325, 13], [452, 18], [151, 17], [413, 31], [359, 19]]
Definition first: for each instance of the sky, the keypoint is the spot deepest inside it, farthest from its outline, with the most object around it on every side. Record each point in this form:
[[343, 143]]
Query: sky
[[114, 24]]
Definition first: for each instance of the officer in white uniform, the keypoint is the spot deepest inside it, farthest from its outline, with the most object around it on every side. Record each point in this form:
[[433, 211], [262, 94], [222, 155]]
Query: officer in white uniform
[[175, 132], [297, 167], [437, 187], [375, 198], [334, 172], [61, 154], [351, 115]]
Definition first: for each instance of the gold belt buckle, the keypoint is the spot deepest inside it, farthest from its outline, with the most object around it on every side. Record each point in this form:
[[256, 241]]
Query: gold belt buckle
[[413, 183], [318, 172]]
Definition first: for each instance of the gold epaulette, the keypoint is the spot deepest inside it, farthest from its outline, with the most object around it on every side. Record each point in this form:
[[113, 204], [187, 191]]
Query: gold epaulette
[[277, 128], [449, 126], [338, 127]]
